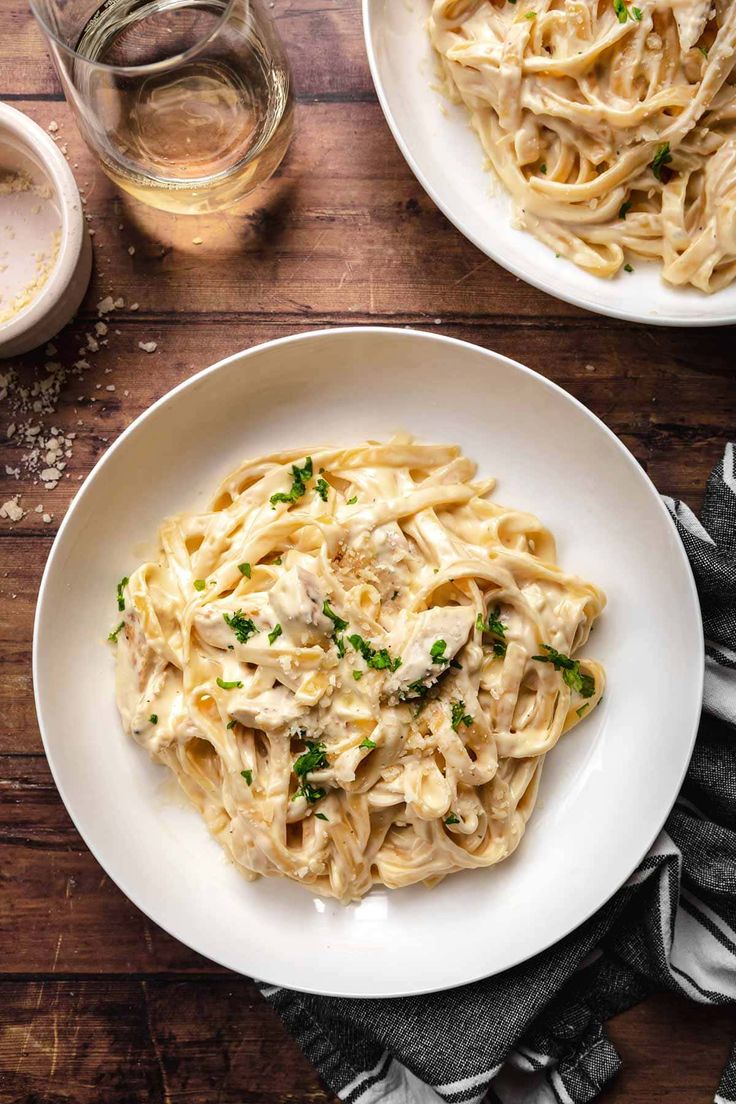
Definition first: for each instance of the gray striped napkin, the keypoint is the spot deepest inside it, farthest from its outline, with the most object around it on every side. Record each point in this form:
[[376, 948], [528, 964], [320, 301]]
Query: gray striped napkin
[[535, 1034]]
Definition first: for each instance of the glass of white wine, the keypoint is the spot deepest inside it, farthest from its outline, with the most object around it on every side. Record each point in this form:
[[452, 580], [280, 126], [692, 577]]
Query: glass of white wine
[[187, 103]]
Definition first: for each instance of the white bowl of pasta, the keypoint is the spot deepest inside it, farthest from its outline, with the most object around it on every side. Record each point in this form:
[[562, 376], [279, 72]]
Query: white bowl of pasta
[[356, 661], [588, 149]]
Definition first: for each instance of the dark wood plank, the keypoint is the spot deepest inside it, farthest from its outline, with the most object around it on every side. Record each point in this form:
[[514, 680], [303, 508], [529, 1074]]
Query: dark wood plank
[[672, 1050], [147, 1041], [135, 1041], [324, 41]]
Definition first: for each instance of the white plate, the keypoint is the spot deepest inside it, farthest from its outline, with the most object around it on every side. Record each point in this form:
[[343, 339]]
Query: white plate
[[447, 158], [606, 788]]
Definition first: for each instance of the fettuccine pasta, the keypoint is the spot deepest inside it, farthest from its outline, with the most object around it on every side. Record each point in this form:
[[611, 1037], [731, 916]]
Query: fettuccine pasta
[[610, 123], [355, 663]]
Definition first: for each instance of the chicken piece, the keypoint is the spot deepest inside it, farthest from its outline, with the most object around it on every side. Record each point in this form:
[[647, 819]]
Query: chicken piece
[[270, 711], [414, 636], [296, 599], [691, 17]]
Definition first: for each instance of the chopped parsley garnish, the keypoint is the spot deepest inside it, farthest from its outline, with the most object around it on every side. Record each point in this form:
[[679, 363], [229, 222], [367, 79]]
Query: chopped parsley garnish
[[244, 569], [114, 634], [496, 628], [199, 584], [380, 660], [121, 598], [637, 14], [274, 634], [494, 624], [278, 561], [242, 626], [322, 487], [624, 209], [357, 675], [312, 759], [231, 724], [628, 268], [530, 15], [237, 685], [248, 776], [703, 50], [543, 169], [321, 816], [571, 673], [437, 652], [301, 477], [367, 744], [336, 620], [583, 707], [622, 12], [452, 819], [661, 158], [339, 644], [459, 716], [352, 501], [153, 718], [416, 689]]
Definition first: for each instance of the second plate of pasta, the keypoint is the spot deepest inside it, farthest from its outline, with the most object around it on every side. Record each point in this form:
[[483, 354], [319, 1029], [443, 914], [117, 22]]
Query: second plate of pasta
[[390, 701], [587, 147]]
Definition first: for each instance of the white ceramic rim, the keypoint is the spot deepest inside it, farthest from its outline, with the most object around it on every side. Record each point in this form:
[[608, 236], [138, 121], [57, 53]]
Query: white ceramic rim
[[72, 230], [556, 290], [450, 343]]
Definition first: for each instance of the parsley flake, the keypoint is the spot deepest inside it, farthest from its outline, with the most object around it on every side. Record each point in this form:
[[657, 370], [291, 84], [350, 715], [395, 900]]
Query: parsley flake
[[437, 652], [121, 597], [153, 718], [245, 569], [114, 634], [352, 501], [624, 209], [231, 724], [357, 675], [583, 707], [312, 759], [637, 14], [275, 633], [248, 776], [543, 169], [199, 584], [300, 477], [322, 487], [367, 744], [237, 685], [459, 716], [336, 620], [379, 659], [571, 673], [321, 816], [242, 626], [452, 819], [662, 157], [628, 268]]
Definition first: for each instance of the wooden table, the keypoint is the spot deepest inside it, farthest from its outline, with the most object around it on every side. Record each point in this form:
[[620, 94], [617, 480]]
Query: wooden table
[[96, 1003]]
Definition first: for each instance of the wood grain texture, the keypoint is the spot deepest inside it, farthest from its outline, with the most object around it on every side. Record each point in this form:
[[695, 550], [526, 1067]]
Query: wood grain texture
[[97, 1004]]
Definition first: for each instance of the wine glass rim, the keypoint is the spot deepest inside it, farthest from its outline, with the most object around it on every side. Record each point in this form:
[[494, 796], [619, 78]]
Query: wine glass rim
[[130, 70]]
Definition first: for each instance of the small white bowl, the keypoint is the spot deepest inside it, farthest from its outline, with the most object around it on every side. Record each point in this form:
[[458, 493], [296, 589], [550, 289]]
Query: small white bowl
[[33, 220]]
